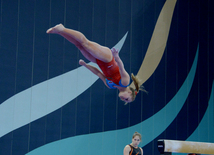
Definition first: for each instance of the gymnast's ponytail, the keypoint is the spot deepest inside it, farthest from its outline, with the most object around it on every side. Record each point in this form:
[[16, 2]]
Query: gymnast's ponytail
[[138, 87]]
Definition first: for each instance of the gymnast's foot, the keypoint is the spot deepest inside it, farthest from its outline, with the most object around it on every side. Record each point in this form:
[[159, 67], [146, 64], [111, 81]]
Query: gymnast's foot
[[82, 62], [56, 29]]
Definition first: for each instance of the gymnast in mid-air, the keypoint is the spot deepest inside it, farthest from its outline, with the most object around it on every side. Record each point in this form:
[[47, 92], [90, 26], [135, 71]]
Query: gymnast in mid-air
[[113, 74]]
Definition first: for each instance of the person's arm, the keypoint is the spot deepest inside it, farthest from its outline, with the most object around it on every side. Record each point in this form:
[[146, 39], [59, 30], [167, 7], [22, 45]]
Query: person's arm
[[95, 71], [141, 151], [125, 78], [126, 150]]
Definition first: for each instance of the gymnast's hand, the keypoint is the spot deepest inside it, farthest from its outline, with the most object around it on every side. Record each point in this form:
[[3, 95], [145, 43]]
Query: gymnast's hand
[[115, 52]]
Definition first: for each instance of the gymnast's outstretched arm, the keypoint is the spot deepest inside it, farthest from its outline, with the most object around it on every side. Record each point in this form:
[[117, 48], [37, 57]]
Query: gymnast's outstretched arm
[[125, 78], [94, 70]]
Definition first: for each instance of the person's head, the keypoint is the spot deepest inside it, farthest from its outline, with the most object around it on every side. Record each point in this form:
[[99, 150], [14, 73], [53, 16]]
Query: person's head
[[126, 95], [136, 139], [131, 92]]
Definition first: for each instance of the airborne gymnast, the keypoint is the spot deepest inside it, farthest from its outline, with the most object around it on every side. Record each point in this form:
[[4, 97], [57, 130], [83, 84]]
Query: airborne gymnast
[[113, 74]]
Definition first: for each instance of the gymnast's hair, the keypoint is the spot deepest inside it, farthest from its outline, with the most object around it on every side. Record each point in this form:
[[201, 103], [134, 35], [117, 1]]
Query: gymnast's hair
[[137, 134], [138, 87]]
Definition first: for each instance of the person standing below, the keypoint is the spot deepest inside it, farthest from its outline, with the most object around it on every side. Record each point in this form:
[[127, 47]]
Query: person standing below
[[133, 149]]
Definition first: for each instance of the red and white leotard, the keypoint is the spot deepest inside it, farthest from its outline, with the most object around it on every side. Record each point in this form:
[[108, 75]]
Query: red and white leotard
[[110, 70], [112, 73]]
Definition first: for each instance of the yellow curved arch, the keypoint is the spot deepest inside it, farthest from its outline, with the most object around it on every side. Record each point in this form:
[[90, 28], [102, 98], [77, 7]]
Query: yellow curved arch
[[158, 42]]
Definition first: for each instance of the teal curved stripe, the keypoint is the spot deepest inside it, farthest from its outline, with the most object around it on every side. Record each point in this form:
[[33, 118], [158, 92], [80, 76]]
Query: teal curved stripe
[[113, 142], [205, 130], [46, 97]]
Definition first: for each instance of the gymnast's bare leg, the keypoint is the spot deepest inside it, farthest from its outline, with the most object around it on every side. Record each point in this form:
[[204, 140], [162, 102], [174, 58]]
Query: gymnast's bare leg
[[89, 49]]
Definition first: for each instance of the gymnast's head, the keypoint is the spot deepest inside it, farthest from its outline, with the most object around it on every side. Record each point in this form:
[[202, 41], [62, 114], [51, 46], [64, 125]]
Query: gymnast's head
[[130, 93], [137, 134], [136, 139]]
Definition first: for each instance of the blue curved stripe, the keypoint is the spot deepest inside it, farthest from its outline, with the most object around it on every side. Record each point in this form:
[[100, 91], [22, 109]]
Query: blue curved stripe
[[46, 97], [113, 142]]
